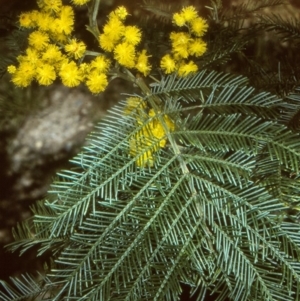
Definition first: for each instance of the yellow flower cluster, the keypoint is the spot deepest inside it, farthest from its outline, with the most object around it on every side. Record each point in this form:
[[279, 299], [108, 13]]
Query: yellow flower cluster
[[185, 44], [151, 137], [122, 40], [52, 50]]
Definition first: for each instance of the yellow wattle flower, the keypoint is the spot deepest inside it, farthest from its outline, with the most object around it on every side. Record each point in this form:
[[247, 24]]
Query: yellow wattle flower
[[132, 35], [124, 53], [52, 54], [114, 29], [197, 47], [101, 64], [97, 82], [28, 19], [70, 74], [199, 26], [45, 74], [142, 64], [50, 5], [178, 19], [189, 13], [75, 48], [24, 74], [106, 42], [38, 39], [121, 12], [168, 64], [151, 137], [187, 69]]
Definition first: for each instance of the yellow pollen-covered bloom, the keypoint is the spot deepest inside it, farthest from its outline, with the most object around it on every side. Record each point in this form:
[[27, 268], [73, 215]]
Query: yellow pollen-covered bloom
[[168, 64], [189, 13], [28, 19], [114, 28], [199, 26], [52, 54], [142, 64], [32, 57], [121, 12], [124, 53], [65, 21], [150, 139], [197, 47], [50, 5], [80, 2], [85, 70], [180, 42], [132, 35], [134, 104], [178, 19], [70, 74], [186, 69], [101, 64], [44, 21], [24, 74], [38, 40], [180, 51], [106, 42], [75, 48], [11, 69], [96, 82], [45, 74], [179, 38]]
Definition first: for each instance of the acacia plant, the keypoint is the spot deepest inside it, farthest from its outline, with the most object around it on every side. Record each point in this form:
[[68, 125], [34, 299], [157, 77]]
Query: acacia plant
[[193, 180]]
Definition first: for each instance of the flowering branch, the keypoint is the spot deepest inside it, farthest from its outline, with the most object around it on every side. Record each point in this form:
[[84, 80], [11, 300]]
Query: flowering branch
[[54, 52]]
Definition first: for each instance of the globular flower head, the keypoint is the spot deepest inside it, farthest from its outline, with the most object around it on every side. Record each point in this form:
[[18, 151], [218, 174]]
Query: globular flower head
[[50, 5], [65, 21], [197, 47], [24, 74], [124, 53], [32, 56], [70, 74], [178, 19], [52, 54], [199, 26], [121, 12], [132, 35], [45, 74], [142, 64], [134, 104], [38, 40], [28, 19], [187, 68], [44, 21], [106, 42], [96, 82], [100, 64], [179, 38], [114, 29], [149, 139], [189, 13], [85, 70], [75, 48], [168, 64], [11, 69]]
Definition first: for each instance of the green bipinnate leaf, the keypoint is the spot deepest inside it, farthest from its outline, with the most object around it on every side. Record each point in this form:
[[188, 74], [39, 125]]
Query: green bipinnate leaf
[[213, 211]]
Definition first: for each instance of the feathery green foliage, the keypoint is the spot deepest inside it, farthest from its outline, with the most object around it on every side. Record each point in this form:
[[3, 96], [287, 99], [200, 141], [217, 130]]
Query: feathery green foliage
[[210, 212]]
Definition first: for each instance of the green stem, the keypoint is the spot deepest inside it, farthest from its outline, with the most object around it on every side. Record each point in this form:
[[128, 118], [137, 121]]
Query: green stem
[[93, 12]]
